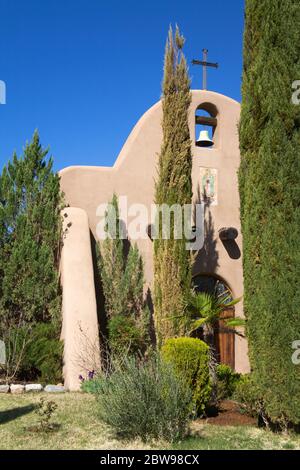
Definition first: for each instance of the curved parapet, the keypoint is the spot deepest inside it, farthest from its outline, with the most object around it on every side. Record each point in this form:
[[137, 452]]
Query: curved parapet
[[135, 169]]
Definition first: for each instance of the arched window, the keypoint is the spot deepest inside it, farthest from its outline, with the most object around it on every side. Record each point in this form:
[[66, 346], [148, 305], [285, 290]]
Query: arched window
[[206, 125], [211, 285]]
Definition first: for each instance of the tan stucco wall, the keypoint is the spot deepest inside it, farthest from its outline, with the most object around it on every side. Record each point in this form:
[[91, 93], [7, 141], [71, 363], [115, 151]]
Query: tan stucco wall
[[79, 310], [134, 173]]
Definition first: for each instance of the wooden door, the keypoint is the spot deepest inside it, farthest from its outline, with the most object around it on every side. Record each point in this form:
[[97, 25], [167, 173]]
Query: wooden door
[[224, 340]]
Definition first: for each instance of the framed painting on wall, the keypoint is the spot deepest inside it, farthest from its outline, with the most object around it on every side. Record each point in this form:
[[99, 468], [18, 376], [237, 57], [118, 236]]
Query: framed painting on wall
[[209, 186]]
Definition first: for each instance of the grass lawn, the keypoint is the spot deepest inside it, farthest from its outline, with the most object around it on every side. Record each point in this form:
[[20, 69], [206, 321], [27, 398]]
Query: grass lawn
[[212, 437], [81, 429]]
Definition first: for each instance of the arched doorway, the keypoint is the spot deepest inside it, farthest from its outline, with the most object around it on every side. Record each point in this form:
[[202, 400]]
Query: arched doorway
[[223, 336]]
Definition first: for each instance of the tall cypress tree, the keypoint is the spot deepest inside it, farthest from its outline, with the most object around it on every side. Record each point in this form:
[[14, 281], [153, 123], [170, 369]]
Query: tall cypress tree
[[111, 262], [172, 264], [270, 201]]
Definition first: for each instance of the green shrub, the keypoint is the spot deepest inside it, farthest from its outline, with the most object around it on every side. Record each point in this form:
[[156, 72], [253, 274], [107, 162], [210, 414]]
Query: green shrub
[[227, 380], [248, 397], [190, 357], [91, 386], [125, 335], [45, 410], [255, 404], [146, 400], [43, 355]]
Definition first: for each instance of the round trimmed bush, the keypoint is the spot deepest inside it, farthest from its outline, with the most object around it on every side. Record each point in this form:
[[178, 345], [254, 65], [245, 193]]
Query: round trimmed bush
[[190, 358]]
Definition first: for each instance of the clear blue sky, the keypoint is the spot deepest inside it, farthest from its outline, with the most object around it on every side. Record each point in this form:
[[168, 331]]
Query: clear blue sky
[[84, 71]]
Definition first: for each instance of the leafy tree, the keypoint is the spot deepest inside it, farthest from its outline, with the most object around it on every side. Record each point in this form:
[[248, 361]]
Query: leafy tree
[[270, 201], [172, 262], [30, 226]]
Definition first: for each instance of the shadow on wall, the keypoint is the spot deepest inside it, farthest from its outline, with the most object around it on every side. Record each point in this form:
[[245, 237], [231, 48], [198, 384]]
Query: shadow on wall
[[206, 259], [232, 249], [100, 299], [149, 304]]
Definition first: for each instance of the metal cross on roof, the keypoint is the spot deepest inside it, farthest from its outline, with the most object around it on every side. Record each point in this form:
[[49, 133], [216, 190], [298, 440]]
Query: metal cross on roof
[[205, 64]]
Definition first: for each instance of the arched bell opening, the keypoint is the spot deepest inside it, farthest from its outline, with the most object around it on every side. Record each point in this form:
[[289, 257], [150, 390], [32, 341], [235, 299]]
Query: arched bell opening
[[206, 125], [224, 337]]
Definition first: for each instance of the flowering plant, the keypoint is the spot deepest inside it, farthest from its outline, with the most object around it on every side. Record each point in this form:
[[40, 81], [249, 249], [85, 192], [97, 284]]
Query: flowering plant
[[90, 376]]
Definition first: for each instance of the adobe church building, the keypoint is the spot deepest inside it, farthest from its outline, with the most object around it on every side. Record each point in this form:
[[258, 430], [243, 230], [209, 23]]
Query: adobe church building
[[215, 184]]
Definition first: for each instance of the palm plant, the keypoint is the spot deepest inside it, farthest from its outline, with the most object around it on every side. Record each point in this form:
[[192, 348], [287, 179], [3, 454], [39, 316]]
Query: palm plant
[[206, 310]]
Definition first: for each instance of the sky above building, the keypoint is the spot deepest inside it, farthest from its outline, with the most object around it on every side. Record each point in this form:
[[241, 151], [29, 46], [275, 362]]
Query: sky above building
[[83, 72]]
